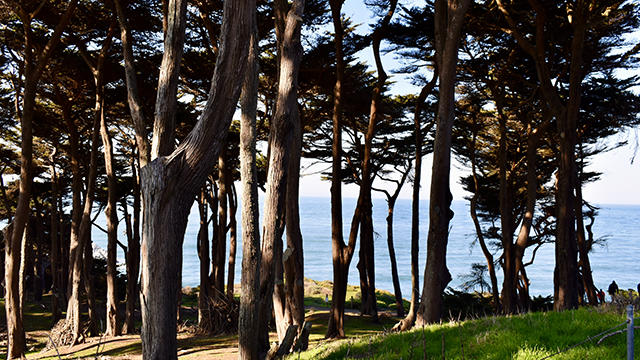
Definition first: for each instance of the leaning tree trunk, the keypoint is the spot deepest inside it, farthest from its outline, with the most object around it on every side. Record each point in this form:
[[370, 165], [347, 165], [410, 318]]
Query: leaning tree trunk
[[449, 19], [250, 280], [169, 183]]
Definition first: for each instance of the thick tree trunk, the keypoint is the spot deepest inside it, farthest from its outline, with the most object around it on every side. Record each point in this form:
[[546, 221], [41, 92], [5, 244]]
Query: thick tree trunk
[[250, 280], [449, 19], [281, 139], [294, 262], [169, 183]]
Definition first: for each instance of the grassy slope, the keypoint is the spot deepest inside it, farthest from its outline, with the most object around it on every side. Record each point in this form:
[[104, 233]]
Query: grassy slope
[[529, 336]]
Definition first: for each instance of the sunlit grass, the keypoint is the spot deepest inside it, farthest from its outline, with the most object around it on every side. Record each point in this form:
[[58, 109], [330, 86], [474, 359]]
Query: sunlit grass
[[529, 336]]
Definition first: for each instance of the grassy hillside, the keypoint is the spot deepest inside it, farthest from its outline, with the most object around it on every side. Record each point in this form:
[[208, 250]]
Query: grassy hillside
[[527, 336]]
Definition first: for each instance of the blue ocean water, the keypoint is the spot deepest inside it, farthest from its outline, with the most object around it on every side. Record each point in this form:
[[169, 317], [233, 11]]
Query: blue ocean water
[[617, 260]]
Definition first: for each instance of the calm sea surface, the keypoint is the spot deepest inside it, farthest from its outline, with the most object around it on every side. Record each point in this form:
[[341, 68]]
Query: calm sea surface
[[617, 260]]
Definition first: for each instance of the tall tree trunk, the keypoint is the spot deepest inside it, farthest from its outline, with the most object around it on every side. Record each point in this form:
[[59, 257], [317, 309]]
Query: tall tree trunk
[[566, 116], [510, 275], [203, 253], [55, 242], [449, 17], [250, 280], [282, 139], [133, 253], [583, 249], [38, 278], [233, 238], [97, 68], [169, 183], [410, 319], [392, 257], [341, 253], [473, 204], [219, 247], [113, 326], [34, 67]]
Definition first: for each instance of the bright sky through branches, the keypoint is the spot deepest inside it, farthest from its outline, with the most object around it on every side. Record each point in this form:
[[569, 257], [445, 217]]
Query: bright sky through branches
[[619, 179]]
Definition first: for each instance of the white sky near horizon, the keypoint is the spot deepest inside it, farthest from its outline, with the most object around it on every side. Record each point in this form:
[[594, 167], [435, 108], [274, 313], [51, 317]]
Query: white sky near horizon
[[617, 185]]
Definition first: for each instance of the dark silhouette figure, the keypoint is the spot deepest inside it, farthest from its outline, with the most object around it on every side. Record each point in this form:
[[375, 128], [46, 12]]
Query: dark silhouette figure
[[613, 288]]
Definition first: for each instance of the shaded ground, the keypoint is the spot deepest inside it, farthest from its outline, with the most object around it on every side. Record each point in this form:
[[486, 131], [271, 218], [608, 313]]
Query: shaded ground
[[192, 346]]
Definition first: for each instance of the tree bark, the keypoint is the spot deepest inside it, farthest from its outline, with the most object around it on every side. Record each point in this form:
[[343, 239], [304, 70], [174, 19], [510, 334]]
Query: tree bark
[[219, 246], [410, 318], [233, 238], [449, 17], [97, 68], [203, 254], [281, 138], [169, 183], [250, 280], [133, 253], [55, 243], [341, 252], [33, 70]]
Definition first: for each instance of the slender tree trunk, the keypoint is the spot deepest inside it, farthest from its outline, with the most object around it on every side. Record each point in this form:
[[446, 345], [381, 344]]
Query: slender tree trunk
[[250, 280], [449, 19], [392, 257], [583, 248], [34, 67], [341, 252], [38, 278], [221, 240], [233, 239], [133, 254], [203, 254], [113, 326], [55, 243], [509, 286], [483, 245], [410, 319]]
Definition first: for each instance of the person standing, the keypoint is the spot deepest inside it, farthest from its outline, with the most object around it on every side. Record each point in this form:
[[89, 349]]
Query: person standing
[[613, 289]]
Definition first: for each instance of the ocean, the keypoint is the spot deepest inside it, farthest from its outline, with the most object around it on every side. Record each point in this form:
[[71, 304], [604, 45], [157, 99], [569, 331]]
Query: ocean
[[616, 260]]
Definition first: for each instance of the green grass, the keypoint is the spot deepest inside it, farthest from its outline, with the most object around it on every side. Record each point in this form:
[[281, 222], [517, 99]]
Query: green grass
[[529, 336]]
